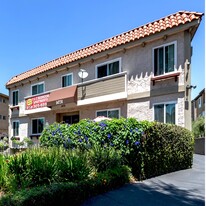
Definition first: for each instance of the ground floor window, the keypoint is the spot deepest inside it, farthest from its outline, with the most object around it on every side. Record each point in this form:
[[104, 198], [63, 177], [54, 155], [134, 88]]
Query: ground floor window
[[111, 113], [71, 119], [165, 113], [37, 125], [15, 127]]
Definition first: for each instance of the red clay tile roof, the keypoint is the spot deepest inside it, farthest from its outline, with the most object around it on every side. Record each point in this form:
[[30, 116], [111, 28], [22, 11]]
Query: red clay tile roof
[[173, 20]]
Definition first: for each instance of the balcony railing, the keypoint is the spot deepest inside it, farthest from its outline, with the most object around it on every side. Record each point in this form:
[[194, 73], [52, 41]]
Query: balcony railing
[[113, 86]]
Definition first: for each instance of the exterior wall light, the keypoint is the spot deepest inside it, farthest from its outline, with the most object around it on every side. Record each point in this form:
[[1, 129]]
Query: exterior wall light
[[191, 86]]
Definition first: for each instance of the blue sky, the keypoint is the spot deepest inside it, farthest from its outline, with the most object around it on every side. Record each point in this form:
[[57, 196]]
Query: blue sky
[[37, 31]]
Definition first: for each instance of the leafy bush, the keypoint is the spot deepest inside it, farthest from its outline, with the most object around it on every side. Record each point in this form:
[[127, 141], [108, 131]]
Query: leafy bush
[[124, 135], [168, 148], [4, 143], [3, 171], [198, 127], [104, 158], [68, 193], [149, 148], [35, 167]]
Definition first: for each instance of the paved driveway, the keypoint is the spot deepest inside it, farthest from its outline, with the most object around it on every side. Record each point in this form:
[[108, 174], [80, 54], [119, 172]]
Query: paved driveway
[[185, 187]]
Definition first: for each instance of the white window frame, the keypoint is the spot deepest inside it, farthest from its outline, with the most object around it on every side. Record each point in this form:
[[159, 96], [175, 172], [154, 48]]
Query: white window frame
[[17, 90], [32, 124], [106, 110], [13, 128], [39, 83], [64, 76], [175, 57], [108, 62], [169, 102]]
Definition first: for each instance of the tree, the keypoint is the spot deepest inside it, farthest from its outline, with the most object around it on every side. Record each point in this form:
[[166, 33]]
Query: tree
[[198, 127]]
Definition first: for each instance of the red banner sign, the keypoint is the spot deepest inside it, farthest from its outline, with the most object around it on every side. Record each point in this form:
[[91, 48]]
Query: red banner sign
[[37, 102]]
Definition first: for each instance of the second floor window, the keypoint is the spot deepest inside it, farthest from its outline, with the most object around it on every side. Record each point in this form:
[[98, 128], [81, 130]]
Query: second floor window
[[108, 68], [164, 59], [15, 127], [37, 88], [15, 98], [67, 80]]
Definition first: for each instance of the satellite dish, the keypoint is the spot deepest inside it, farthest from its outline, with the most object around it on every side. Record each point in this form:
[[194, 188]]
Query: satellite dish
[[82, 74]]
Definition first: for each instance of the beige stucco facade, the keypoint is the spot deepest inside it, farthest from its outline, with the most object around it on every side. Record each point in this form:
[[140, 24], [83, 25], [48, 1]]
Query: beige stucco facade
[[133, 90], [4, 110]]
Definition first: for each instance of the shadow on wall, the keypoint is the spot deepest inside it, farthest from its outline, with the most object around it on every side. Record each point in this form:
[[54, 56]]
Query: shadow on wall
[[200, 146]]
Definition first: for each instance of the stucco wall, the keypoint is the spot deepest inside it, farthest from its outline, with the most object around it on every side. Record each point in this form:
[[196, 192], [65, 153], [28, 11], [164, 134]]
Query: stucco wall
[[90, 111], [142, 109]]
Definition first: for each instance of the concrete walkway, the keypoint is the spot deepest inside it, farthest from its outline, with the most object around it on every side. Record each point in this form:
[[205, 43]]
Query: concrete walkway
[[182, 188]]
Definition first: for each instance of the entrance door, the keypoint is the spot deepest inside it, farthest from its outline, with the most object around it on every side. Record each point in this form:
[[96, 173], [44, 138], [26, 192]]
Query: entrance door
[[71, 119]]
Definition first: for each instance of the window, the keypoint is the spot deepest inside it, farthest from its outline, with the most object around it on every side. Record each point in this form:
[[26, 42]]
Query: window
[[165, 113], [4, 101], [15, 98], [37, 125], [4, 117], [0, 116], [164, 59], [71, 119], [200, 102], [37, 88], [15, 127], [67, 80], [108, 68], [112, 113]]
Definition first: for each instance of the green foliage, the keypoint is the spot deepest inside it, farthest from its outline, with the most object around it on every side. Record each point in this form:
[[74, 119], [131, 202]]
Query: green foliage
[[4, 143], [90, 155], [3, 171], [149, 148], [68, 193], [198, 127], [168, 148], [35, 167], [104, 158], [73, 166]]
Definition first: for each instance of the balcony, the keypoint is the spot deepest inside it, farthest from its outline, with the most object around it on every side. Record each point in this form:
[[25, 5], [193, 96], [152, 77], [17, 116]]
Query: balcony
[[101, 90], [104, 89]]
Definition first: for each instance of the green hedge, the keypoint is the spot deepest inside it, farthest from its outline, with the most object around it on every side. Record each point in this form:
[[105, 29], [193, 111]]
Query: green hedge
[[68, 193], [168, 148], [149, 148]]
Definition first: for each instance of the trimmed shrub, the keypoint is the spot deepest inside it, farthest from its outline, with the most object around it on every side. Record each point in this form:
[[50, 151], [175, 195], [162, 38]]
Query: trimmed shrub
[[168, 148]]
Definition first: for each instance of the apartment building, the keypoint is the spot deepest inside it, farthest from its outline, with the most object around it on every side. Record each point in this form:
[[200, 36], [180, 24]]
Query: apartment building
[[142, 73], [198, 105], [4, 112]]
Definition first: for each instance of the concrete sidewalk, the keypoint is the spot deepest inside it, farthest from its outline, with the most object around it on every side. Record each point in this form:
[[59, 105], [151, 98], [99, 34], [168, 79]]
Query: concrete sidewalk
[[185, 187]]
